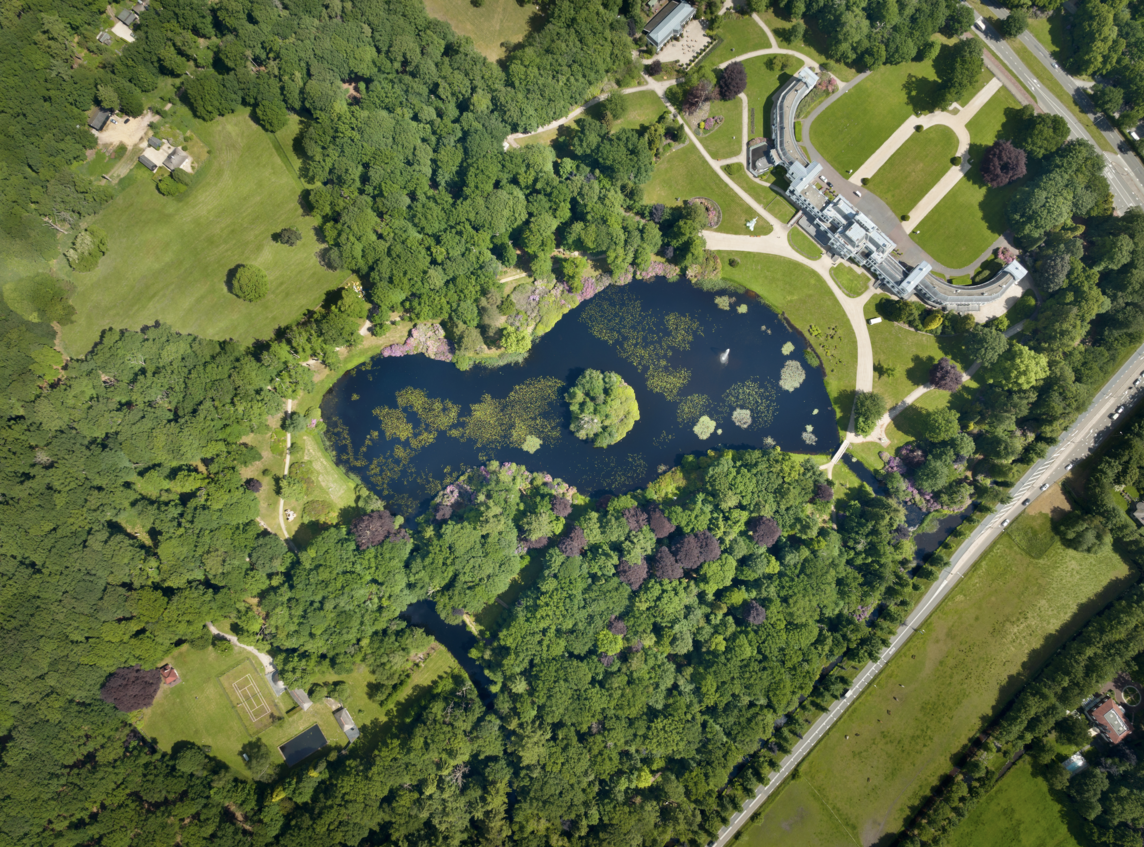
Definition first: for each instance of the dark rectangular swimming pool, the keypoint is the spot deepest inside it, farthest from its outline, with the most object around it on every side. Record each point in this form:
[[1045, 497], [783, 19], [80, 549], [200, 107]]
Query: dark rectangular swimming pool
[[302, 745]]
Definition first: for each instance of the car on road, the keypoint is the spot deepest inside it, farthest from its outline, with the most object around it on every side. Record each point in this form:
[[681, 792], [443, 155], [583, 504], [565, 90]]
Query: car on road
[[857, 193], [1069, 466], [1136, 381], [1045, 487], [1005, 523], [1026, 502], [1055, 65]]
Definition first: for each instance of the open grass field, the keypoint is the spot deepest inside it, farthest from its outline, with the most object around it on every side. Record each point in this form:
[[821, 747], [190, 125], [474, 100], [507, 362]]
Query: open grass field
[[915, 168], [1051, 33], [1020, 811], [804, 297], [727, 140], [739, 34], [804, 244], [851, 280], [971, 216], [496, 22], [683, 174], [813, 44], [856, 124], [1053, 86], [996, 628], [169, 256]]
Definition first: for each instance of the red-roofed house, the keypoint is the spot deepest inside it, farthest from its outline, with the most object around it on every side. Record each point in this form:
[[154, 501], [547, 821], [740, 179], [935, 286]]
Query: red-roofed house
[[1109, 719], [169, 675]]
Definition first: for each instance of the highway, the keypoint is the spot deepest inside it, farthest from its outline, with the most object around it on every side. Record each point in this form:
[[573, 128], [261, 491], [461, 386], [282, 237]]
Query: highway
[[1125, 173], [1074, 445]]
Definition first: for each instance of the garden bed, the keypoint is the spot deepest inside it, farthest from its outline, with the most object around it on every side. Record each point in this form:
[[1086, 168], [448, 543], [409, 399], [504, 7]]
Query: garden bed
[[714, 213]]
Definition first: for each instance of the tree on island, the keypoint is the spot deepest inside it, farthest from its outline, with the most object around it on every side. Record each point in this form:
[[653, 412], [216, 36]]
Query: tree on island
[[603, 407]]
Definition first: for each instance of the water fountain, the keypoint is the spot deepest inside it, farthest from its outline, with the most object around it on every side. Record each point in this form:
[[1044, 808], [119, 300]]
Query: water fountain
[[724, 356]]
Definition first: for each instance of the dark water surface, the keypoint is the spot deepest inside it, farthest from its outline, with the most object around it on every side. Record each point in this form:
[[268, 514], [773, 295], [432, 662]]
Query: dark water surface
[[409, 426], [454, 637]]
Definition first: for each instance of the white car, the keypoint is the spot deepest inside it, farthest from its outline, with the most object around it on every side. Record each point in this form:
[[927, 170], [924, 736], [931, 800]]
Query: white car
[[1005, 523], [857, 193], [1069, 466], [1045, 487]]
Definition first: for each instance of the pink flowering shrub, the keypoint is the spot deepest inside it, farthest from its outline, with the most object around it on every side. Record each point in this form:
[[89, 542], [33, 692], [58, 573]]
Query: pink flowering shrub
[[423, 338], [1005, 255]]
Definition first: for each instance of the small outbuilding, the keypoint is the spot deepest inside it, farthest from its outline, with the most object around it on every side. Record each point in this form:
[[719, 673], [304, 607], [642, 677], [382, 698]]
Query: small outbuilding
[[301, 698], [342, 716], [1138, 513], [104, 38], [668, 23], [154, 143], [169, 675], [99, 120], [139, 8]]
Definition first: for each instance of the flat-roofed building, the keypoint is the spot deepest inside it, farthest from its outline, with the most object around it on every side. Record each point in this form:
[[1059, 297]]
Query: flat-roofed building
[[668, 23]]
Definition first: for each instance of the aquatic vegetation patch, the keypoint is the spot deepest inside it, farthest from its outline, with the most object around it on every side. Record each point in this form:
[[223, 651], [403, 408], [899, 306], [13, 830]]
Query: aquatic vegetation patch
[[792, 376], [692, 407], [757, 399], [704, 427]]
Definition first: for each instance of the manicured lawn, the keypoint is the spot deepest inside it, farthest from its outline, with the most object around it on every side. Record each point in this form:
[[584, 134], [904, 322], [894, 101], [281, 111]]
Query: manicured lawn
[[911, 353], [804, 297], [767, 197], [169, 257], [1046, 78], [762, 83], [851, 280], [971, 216], [740, 34], [496, 21], [684, 174], [1020, 811], [814, 44], [915, 168], [861, 120], [804, 244], [727, 140], [997, 627]]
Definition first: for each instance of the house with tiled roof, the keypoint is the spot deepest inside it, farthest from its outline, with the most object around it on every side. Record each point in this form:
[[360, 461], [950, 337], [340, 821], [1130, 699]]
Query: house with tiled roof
[[1109, 720]]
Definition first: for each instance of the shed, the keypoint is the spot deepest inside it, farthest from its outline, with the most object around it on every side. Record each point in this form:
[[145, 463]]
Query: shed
[[99, 120], [139, 8], [127, 17], [301, 698], [668, 23], [342, 716], [1138, 513], [104, 37], [154, 142], [176, 159], [169, 675]]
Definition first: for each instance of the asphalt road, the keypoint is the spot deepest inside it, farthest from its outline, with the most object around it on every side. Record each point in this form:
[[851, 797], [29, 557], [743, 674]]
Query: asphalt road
[[1074, 445], [1125, 173]]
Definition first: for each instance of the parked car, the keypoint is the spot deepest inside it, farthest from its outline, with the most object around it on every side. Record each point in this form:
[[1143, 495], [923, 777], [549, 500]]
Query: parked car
[[857, 193], [1005, 523], [1045, 487], [1069, 466]]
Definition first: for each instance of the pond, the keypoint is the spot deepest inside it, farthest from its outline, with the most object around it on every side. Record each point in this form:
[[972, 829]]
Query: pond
[[409, 426]]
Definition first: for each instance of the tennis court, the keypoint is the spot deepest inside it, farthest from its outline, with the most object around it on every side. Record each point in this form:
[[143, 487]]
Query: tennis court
[[302, 745], [248, 692]]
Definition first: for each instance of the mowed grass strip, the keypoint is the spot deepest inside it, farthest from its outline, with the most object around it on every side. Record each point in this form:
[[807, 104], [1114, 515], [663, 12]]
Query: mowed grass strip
[[902, 357], [763, 81], [768, 197], [1020, 811], [851, 280], [996, 628], [495, 22], [915, 168], [169, 256], [683, 174], [805, 298], [972, 215]]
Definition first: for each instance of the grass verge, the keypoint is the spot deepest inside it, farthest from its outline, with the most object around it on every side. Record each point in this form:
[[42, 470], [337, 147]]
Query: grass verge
[[851, 280], [804, 244]]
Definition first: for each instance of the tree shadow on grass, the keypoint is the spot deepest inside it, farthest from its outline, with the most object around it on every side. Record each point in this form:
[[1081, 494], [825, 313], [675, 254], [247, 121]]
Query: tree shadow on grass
[[919, 368]]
